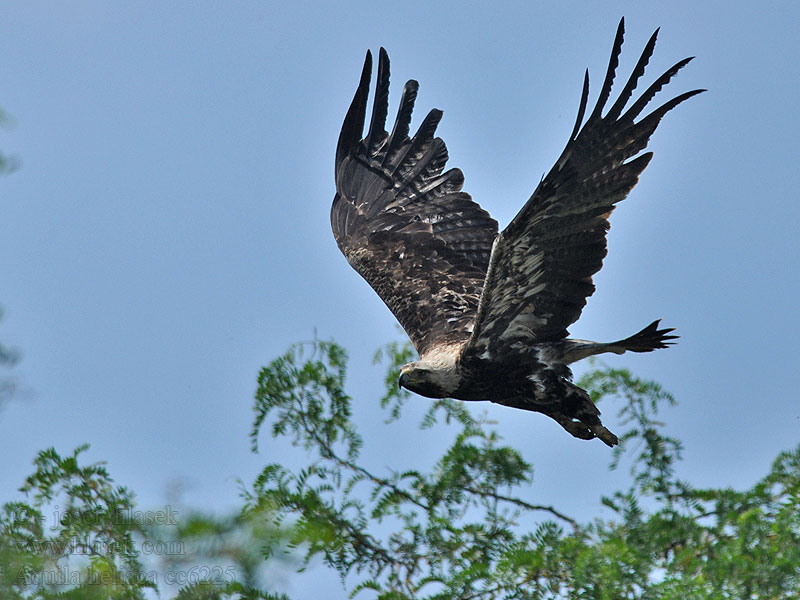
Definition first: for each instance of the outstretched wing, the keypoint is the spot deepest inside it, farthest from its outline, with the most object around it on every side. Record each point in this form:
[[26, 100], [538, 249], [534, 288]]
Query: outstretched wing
[[406, 227], [542, 264]]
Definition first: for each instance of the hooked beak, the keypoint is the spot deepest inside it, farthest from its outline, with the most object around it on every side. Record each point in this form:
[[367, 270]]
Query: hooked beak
[[402, 381]]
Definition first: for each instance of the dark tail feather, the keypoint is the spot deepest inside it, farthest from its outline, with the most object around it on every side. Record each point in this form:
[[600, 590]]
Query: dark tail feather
[[648, 339]]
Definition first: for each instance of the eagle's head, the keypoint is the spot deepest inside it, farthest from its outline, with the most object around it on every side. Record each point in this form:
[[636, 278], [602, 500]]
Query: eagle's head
[[426, 380]]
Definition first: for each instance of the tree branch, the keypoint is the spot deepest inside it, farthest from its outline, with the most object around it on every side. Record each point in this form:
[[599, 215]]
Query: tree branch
[[525, 505]]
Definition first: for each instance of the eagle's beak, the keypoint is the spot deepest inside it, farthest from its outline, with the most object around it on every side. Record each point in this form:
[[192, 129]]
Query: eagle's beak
[[402, 381]]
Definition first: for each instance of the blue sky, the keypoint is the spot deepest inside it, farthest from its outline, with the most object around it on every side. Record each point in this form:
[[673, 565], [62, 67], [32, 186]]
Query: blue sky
[[167, 233]]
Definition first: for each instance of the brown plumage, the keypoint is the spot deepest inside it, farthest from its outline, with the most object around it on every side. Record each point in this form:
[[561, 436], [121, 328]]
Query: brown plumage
[[488, 312]]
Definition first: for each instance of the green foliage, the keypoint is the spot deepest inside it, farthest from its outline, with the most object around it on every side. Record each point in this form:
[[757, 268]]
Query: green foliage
[[78, 536], [218, 557], [457, 531], [308, 398], [85, 549]]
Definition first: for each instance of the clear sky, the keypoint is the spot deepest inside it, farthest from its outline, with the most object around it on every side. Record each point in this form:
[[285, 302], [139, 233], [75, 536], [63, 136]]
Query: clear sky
[[167, 233]]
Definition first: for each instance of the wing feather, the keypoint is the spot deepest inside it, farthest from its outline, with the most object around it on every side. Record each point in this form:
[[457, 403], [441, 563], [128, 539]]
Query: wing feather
[[402, 123], [380, 106], [613, 63], [541, 267], [354, 119], [404, 225]]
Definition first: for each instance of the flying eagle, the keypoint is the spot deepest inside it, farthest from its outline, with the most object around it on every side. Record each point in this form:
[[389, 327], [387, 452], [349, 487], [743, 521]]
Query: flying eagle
[[488, 312]]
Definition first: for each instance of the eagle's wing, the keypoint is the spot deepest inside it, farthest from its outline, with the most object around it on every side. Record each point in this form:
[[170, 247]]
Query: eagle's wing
[[541, 267], [406, 227]]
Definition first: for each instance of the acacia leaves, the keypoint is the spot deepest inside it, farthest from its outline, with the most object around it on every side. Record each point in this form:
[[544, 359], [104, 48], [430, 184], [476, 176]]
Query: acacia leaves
[[74, 538], [467, 528], [307, 399]]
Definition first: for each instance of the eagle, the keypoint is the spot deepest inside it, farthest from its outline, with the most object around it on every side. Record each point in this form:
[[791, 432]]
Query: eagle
[[488, 311]]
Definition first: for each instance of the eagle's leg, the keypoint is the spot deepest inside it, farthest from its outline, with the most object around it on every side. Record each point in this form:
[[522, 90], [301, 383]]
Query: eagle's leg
[[574, 428], [573, 409], [564, 402], [584, 431], [585, 428], [579, 407]]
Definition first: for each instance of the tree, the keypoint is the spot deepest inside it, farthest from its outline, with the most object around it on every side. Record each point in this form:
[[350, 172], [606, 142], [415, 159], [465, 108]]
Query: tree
[[465, 528], [91, 524], [455, 532], [77, 535]]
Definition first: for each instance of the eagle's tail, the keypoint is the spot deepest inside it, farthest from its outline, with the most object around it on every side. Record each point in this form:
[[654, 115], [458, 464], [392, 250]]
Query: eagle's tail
[[648, 339]]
